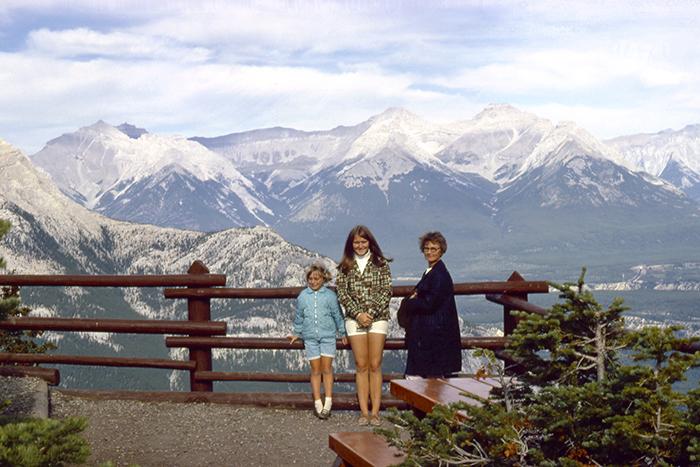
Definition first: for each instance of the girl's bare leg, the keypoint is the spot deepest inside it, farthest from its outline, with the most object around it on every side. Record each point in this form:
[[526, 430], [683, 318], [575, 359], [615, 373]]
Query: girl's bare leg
[[376, 353], [316, 378], [327, 373], [360, 350]]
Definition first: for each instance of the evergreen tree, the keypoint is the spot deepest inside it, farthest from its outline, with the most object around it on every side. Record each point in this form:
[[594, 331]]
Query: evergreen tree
[[575, 343], [577, 403]]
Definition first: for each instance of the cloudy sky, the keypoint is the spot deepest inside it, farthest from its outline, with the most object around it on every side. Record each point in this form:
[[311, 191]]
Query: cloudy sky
[[208, 68]]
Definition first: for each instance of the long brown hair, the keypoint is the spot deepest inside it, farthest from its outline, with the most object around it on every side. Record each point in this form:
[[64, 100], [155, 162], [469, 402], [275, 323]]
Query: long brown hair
[[377, 256]]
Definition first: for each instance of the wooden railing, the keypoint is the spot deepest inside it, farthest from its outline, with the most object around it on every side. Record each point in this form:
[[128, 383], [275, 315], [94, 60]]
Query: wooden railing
[[201, 334]]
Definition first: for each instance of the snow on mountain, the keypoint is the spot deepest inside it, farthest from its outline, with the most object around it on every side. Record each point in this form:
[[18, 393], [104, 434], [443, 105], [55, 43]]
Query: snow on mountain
[[479, 180], [111, 172], [671, 155], [392, 145], [501, 143], [282, 157], [564, 142], [279, 157], [571, 176], [399, 127], [682, 177], [495, 142], [51, 233]]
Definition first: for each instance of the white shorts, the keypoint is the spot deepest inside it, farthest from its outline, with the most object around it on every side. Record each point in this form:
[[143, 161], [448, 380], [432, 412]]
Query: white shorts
[[377, 327]]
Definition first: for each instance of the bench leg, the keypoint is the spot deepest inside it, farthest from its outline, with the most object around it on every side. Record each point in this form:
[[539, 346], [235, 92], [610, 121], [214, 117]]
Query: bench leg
[[338, 462]]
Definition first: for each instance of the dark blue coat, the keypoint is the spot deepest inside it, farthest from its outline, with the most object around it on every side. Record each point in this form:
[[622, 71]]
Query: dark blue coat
[[433, 337]]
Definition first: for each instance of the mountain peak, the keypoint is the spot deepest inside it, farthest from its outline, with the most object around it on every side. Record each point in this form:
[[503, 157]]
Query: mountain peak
[[100, 127], [505, 115], [499, 111], [395, 114]]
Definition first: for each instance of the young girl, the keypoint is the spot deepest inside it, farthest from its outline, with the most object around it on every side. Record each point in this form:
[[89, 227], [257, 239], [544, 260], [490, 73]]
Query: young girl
[[317, 319], [364, 290]]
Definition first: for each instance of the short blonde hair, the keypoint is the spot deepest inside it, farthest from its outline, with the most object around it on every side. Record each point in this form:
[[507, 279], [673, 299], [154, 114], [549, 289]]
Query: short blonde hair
[[321, 269]]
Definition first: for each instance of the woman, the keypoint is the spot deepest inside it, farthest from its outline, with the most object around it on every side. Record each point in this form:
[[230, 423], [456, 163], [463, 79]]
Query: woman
[[433, 337], [364, 291]]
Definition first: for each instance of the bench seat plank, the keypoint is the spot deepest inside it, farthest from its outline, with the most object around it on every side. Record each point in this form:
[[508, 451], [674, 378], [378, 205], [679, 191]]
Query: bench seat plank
[[423, 394], [480, 388], [364, 449]]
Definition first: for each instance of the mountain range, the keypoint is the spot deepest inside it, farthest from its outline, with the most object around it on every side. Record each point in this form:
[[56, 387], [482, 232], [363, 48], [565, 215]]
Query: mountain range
[[508, 188]]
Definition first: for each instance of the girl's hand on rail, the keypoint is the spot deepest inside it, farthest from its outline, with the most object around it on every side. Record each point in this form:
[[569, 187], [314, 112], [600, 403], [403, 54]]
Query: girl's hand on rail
[[344, 340], [293, 339]]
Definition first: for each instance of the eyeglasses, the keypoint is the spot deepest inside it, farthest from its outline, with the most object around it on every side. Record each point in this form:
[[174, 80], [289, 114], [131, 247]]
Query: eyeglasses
[[431, 249]]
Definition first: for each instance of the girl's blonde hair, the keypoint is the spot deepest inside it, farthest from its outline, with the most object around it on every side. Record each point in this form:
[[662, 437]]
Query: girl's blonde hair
[[321, 269]]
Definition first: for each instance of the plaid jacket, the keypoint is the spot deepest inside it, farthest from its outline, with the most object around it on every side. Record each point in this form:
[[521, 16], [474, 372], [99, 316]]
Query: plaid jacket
[[368, 292]]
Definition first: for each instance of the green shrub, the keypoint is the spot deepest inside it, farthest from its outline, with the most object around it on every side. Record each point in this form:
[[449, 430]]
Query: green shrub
[[43, 442]]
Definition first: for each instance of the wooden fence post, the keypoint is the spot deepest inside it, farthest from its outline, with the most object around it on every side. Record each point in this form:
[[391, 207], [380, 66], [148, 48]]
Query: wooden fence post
[[199, 309], [510, 322]]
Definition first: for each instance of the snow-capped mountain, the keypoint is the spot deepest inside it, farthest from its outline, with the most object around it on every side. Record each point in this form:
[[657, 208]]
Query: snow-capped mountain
[[671, 155], [282, 157], [582, 206], [504, 182], [495, 142], [52, 234], [129, 174], [389, 179]]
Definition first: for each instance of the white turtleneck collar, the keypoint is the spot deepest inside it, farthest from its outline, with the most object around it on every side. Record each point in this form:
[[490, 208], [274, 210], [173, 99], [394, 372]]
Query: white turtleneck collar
[[362, 261]]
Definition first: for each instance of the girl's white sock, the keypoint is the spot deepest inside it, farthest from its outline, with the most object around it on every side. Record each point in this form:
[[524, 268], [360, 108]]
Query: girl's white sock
[[328, 403], [318, 405]]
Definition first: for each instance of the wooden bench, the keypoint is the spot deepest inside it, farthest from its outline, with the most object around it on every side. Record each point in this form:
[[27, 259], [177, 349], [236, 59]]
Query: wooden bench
[[424, 394], [363, 449]]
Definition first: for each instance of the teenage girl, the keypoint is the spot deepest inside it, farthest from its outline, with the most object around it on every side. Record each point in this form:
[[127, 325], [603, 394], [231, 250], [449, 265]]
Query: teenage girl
[[364, 291]]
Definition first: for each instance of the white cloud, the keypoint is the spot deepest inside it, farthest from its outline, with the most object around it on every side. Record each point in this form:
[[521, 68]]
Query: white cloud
[[609, 122], [125, 46], [565, 69], [279, 26]]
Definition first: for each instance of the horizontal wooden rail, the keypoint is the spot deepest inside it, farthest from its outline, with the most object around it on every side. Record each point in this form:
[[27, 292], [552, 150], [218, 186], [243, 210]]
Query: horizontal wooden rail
[[6, 357], [466, 288], [50, 375], [85, 280], [278, 377], [516, 303], [131, 326], [494, 343]]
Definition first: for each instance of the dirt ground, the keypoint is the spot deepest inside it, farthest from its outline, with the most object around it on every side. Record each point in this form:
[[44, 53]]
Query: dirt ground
[[200, 434]]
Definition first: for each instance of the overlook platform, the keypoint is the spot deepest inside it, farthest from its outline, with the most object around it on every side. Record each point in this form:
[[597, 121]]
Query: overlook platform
[[185, 434]]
